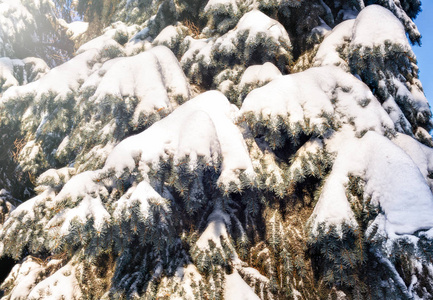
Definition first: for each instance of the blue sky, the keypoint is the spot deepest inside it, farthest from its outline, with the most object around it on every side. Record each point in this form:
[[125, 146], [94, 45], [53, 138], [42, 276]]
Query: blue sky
[[424, 54]]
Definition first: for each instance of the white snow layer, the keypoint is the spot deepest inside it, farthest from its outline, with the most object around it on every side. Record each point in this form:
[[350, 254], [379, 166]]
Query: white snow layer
[[222, 5], [24, 275], [236, 288], [367, 33], [421, 155], [259, 73], [202, 127], [166, 35], [255, 27], [60, 285], [66, 76], [307, 96], [27, 276], [215, 230], [139, 194], [393, 181], [362, 33], [255, 23], [74, 29], [147, 76], [327, 53]]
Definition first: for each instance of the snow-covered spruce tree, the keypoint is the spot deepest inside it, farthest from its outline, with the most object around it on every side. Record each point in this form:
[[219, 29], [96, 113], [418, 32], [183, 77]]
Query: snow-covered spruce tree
[[218, 149]]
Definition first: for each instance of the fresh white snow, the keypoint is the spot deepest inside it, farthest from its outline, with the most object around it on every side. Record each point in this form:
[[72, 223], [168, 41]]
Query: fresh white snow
[[393, 181]]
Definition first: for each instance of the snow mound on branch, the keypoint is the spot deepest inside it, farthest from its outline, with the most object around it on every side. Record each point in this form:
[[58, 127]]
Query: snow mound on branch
[[228, 6], [259, 73], [254, 24], [20, 220], [114, 37], [33, 279], [246, 44], [89, 208], [305, 101], [55, 177], [35, 68], [187, 276], [213, 139], [154, 77], [74, 29], [171, 35], [23, 276], [393, 182], [66, 76], [307, 160], [88, 183], [367, 34], [139, 194], [420, 154], [62, 284], [15, 72], [236, 288], [215, 230], [328, 54], [382, 57], [195, 47]]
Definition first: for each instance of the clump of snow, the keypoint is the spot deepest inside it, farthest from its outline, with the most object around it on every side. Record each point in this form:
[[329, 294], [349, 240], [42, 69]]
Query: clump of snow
[[255, 32], [228, 6], [140, 194], [215, 230], [188, 276], [254, 24], [179, 135], [55, 177], [393, 182], [23, 277], [89, 208], [383, 57], [236, 288], [194, 48], [304, 100], [110, 43], [74, 29], [35, 68], [16, 72], [7, 78], [420, 154], [170, 35], [259, 73], [34, 278], [62, 284], [328, 51], [367, 33], [89, 185], [25, 216], [153, 77], [68, 77], [307, 160], [149, 86]]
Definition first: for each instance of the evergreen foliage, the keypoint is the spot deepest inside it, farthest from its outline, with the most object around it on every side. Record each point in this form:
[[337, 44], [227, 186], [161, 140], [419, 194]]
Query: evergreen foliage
[[306, 175]]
